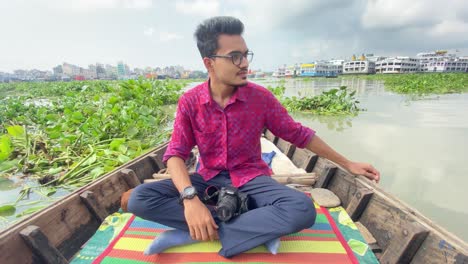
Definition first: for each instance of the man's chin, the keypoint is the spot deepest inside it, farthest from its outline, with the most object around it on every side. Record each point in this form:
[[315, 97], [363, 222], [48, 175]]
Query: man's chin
[[243, 81]]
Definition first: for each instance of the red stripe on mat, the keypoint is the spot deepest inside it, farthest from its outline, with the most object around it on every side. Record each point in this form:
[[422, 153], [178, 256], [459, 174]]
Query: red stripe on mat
[[341, 238], [287, 238], [111, 245], [145, 229], [300, 258]]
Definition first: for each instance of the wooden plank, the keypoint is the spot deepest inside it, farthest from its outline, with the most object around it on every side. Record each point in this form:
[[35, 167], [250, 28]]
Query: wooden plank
[[271, 137], [405, 243], [326, 177], [286, 147], [386, 216], [130, 178], [157, 160], [358, 203], [96, 209], [304, 159], [365, 233], [41, 246], [344, 185]]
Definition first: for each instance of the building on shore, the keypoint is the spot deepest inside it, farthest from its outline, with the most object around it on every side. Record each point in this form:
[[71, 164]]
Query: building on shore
[[397, 65], [442, 61], [361, 66], [280, 72], [319, 69]]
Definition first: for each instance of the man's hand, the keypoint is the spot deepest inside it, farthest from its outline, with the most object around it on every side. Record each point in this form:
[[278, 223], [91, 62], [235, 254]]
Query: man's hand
[[365, 169], [199, 220]]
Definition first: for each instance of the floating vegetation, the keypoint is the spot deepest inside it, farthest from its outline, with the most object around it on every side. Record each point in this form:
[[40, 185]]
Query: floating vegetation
[[333, 102], [65, 135], [421, 84]]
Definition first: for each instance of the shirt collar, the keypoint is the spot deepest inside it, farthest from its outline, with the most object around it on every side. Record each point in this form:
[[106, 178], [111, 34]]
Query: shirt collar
[[240, 94]]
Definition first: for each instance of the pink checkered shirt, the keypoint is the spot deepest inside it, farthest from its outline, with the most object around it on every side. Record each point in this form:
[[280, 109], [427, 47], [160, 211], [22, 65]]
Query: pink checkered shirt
[[229, 138]]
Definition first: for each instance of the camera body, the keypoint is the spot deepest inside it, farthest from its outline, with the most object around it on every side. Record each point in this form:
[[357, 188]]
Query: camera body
[[231, 203]]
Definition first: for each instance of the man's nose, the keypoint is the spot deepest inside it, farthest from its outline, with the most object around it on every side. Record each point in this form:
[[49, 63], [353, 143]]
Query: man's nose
[[244, 62]]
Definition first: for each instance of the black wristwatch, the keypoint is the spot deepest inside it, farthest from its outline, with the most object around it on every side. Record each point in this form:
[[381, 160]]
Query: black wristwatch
[[188, 193]]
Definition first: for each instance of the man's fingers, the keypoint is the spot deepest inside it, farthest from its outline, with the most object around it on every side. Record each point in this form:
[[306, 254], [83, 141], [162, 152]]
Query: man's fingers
[[213, 223], [192, 233], [198, 235], [211, 233], [204, 233], [371, 176]]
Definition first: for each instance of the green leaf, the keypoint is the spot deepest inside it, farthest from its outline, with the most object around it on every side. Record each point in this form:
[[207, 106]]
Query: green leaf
[[115, 144], [96, 172], [5, 147], [90, 160], [7, 210], [30, 210], [8, 165], [15, 131], [55, 170], [123, 159]]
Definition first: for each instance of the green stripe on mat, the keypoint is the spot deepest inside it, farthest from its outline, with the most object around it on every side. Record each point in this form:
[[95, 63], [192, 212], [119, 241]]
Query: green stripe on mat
[[311, 235], [321, 218], [110, 260]]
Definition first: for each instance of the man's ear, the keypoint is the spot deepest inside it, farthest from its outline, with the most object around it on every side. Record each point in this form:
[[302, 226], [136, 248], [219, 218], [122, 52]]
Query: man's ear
[[208, 64]]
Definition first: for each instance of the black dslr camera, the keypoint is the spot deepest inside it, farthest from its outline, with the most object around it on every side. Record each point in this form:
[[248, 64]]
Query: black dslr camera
[[230, 202]]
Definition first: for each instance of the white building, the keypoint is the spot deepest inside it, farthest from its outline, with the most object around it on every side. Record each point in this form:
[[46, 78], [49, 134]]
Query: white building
[[359, 67], [442, 61], [280, 72], [336, 66], [397, 65]]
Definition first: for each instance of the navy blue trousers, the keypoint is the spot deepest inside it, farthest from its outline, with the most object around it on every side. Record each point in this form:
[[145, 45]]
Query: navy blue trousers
[[276, 210]]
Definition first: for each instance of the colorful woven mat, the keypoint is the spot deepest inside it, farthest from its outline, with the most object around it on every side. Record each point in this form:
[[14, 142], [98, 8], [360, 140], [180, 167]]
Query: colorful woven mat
[[322, 243]]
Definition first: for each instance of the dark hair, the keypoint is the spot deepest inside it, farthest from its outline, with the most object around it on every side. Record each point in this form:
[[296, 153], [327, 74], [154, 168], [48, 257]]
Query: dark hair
[[208, 31]]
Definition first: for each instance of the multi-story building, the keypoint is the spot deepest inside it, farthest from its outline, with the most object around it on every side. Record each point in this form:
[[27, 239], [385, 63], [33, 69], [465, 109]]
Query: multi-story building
[[70, 70], [280, 72], [111, 72], [397, 65], [442, 61], [359, 67], [121, 69], [336, 66]]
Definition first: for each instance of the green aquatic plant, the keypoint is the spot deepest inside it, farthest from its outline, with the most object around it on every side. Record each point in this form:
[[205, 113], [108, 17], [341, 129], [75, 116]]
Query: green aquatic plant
[[332, 102]]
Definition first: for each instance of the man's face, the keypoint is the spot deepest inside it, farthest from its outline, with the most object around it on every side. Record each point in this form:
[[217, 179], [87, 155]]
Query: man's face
[[223, 68]]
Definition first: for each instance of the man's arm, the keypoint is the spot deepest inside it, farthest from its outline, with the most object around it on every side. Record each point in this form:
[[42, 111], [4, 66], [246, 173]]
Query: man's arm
[[319, 147], [199, 219]]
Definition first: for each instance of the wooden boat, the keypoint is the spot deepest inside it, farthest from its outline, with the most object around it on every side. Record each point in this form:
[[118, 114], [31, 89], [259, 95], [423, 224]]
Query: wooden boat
[[396, 232]]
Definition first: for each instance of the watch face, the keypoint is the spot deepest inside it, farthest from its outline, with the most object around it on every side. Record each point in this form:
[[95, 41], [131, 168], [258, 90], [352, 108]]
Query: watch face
[[189, 191]]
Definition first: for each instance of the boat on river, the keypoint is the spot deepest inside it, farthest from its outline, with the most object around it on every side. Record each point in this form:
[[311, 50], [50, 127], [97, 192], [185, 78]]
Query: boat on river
[[394, 231]]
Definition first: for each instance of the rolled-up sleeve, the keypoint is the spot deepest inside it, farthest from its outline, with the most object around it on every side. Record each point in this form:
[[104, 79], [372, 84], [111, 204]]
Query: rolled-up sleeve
[[281, 124], [182, 139]]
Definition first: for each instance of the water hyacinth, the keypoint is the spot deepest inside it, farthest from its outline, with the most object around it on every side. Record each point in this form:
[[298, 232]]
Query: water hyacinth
[[72, 133], [333, 102]]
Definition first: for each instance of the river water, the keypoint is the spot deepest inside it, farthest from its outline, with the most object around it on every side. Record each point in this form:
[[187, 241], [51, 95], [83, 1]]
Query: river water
[[419, 146]]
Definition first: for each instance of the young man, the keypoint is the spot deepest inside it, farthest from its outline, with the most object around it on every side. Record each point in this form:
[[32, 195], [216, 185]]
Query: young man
[[225, 117]]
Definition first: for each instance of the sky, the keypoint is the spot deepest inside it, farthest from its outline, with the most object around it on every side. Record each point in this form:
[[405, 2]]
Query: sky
[[41, 34]]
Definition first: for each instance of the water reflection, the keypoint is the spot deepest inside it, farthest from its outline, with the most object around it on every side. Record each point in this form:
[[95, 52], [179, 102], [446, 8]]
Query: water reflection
[[336, 123]]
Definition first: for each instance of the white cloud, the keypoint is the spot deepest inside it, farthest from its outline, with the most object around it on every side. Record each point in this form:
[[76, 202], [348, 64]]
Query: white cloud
[[148, 31], [399, 13], [453, 28], [90, 5], [167, 36], [198, 7]]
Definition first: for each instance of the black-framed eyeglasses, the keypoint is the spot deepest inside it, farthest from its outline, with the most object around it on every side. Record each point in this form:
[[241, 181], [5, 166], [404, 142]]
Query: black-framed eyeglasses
[[236, 57]]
